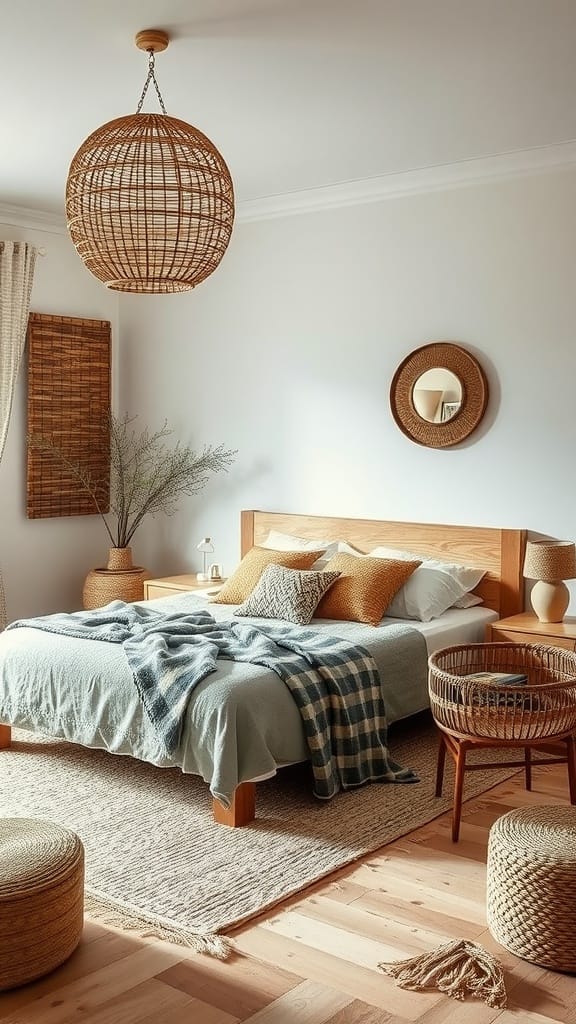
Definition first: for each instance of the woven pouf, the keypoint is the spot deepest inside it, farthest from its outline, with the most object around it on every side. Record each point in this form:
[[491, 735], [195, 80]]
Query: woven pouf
[[531, 885], [41, 898]]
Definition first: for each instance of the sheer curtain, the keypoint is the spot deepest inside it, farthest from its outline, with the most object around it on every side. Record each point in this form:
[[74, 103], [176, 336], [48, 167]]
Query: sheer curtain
[[17, 261]]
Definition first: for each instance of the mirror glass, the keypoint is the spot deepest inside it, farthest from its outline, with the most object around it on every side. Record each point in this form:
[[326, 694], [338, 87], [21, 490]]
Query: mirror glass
[[437, 395]]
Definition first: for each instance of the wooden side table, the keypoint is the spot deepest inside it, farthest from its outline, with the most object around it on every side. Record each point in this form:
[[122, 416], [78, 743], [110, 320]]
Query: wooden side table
[[165, 585], [526, 628]]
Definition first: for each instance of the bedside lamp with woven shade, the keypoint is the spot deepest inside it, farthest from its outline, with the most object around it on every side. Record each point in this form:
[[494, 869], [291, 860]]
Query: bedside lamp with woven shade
[[550, 562]]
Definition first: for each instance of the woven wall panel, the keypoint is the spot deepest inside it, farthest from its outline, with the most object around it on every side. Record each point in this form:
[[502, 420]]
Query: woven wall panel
[[69, 405]]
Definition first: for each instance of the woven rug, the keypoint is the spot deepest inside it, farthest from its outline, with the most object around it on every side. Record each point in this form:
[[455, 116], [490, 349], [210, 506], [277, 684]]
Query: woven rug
[[154, 854]]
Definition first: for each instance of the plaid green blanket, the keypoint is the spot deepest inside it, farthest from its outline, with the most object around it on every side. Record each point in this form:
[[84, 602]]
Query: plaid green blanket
[[335, 685]]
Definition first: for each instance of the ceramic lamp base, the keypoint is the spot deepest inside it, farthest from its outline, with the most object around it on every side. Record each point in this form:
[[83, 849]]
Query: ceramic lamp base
[[550, 600], [203, 577]]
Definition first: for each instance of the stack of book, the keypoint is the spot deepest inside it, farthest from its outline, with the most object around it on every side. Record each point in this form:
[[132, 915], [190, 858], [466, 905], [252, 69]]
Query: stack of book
[[500, 678], [501, 681]]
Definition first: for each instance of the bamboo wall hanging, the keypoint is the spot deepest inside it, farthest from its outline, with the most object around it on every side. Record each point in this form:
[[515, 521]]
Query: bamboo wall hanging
[[68, 413]]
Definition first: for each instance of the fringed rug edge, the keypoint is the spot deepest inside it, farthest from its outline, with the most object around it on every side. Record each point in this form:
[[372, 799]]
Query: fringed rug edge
[[127, 917]]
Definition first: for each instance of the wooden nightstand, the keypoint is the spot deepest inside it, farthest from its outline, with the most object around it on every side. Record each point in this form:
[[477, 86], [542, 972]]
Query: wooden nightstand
[[176, 585], [527, 629]]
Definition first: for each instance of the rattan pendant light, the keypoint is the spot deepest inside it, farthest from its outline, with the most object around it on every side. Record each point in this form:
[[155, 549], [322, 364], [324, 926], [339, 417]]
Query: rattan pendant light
[[149, 199]]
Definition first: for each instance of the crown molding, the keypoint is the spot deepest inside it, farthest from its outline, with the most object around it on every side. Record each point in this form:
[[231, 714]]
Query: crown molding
[[438, 178], [517, 163], [33, 220]]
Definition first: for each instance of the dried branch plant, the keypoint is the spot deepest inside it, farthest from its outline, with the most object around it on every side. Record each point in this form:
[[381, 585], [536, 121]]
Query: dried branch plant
[[146, 475]]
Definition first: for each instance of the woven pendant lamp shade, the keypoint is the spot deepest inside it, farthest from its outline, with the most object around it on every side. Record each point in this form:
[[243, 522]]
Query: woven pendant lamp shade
[[149, 203]]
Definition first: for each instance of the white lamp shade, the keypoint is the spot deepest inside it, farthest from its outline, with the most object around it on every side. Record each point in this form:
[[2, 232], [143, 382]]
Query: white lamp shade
[[205, 545]]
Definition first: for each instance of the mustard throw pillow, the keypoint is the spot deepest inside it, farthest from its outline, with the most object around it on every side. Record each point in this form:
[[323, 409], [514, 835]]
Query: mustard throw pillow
[[364, 588], [241, 583]]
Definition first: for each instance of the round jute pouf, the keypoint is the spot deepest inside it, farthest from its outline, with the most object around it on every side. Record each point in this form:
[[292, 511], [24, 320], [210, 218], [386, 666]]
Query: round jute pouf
[[531, 885], [41, 898]]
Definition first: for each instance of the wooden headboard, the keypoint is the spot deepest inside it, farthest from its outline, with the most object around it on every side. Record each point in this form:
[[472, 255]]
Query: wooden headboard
[[499, 552]]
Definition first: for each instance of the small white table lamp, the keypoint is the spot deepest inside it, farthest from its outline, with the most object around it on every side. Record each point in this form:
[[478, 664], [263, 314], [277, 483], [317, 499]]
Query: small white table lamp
[[550, 562], [207, 548]]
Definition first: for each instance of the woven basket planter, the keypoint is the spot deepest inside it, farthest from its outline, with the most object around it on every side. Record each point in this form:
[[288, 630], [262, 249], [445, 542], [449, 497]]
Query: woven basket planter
[[120, 580], [544, 707], [531, 885], [41, 898]]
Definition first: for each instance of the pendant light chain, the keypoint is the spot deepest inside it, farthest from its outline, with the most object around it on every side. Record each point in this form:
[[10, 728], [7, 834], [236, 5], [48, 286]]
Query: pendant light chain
[[151, 78]]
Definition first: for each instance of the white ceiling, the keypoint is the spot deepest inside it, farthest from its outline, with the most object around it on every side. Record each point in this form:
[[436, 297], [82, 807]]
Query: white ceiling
[[295, 94]]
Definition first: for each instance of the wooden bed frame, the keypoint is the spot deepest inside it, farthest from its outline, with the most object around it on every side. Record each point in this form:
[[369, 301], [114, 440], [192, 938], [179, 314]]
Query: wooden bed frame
[[499, 552]]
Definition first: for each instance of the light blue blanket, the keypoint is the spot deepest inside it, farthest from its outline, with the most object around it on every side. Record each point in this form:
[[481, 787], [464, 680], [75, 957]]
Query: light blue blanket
[[335, 684]]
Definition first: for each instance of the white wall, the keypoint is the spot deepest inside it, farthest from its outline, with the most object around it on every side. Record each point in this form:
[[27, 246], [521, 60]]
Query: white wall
[[44, 561], [288, 351]]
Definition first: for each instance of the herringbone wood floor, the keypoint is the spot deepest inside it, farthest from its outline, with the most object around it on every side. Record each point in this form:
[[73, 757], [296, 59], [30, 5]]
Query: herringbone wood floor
[[313, 960]]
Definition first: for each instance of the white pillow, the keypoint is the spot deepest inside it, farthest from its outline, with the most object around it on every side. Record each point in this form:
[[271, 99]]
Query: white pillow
[[468, 576], [337, 547], [434, 587], [467, 601], [288, 542], [425, 595]]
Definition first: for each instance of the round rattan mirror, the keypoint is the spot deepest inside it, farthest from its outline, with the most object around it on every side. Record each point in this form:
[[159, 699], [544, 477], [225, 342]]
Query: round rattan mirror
[[438, 395]]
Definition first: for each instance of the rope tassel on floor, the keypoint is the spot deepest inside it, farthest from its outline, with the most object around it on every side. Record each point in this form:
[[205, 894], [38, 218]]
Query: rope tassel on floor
[[457, 968]]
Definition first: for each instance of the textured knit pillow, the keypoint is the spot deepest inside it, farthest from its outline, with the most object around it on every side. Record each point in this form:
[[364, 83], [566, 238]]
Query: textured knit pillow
[[290, 594], [241, 583], [365, 588]]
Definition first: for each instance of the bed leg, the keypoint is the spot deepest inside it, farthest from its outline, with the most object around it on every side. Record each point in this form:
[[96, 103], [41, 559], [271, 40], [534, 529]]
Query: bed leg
[[242, 810], [5, 736]]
